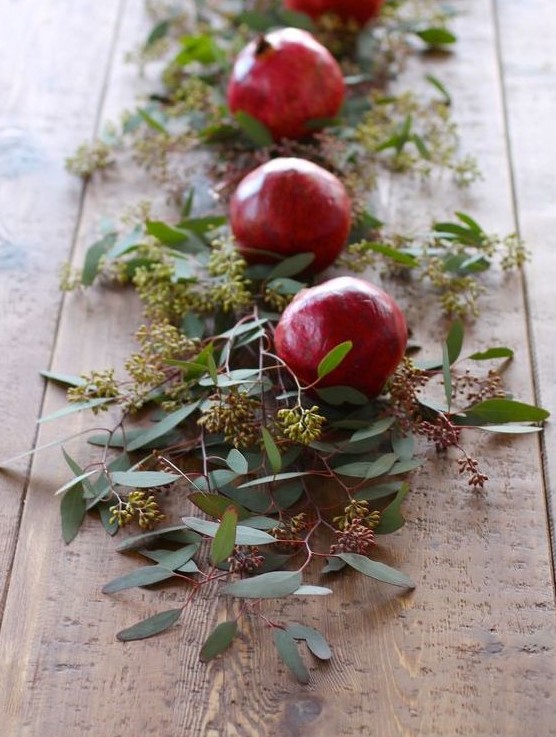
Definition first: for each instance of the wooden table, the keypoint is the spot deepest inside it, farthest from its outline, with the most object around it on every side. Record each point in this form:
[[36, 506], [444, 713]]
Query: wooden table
[[471, 651]]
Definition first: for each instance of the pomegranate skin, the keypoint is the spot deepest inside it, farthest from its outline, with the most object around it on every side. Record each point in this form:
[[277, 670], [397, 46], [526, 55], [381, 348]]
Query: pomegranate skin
[[286, 79], [361, 11], [341, 309], [290, 206]]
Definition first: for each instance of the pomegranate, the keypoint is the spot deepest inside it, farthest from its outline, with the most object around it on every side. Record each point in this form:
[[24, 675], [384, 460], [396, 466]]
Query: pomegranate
[[346, 308], [286, 79], [290, 206], [361, 11]]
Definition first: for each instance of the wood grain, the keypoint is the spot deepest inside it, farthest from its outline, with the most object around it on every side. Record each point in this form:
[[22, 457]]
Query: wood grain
[[529, 76], [470, 652], [52, 75]]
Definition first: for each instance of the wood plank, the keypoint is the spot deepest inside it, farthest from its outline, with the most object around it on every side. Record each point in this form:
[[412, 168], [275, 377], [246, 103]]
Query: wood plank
[[470, 652], [52, 74], [529, 77]]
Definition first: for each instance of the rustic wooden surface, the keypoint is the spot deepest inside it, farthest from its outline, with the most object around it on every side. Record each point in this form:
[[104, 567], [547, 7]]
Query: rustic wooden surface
[[471, 651]]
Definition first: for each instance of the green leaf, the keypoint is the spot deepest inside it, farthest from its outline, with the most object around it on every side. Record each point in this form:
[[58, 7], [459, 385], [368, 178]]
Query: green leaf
[[440, 87], [313, 638], [143, 479], [294, 19], [167, 234], [498, 411], [266, 586], [254, 129], [377, 570], [292, 265], [510, 429], [150, 626], [224, 540], [118, 439], [436, 36], [307, 590], [391, 518], [274, 478], [151, 121], [74, 481], [243, 536], [447, 375], [368, 469], [336, 395], [288, 652], [237, 462], [218, 641], [176, 533], [284, 285], [162, 427], [75, 407], [78, 471], [174, 560], [394, 254], [93, 257], [334, 358], [333, 565], [377, 428], [144, 576], [497, 352], [272, 451], [159, 32], [201, 48], [111, 526], [215, 505], [72, 511], [454, 341], [66, 379]]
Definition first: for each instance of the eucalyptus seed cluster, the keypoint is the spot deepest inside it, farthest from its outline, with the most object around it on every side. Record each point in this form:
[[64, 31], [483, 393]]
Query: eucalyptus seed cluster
[[301, 425], [404, 387], [470, 466], [96, 385], [90, 157], [290, 531], [355, 529], [235, 414], [138, 506], [245, 560]]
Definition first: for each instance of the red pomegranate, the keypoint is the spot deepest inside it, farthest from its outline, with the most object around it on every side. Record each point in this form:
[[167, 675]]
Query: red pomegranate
[[290, 206], [361, 11], [346, 308], [286, 79]]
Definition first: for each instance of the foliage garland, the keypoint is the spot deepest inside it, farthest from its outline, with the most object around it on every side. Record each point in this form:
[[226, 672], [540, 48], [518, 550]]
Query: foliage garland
[[289, 476]]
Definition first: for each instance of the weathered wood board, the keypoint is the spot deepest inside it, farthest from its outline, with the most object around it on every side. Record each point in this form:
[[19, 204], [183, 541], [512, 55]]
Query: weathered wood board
[[471, 650]]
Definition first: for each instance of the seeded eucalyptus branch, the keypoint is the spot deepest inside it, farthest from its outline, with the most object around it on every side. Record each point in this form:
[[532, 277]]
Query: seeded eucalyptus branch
[[284, 481]]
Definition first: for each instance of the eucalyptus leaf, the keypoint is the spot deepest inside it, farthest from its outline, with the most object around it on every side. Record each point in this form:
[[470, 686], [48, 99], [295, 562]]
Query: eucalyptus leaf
[[391, 519], [377, 428], [337, 395], [218, 641], [368, 469], [172, 560], [72, 511], [272, 451], [236, 461], [254, 129], [333, 358], [151, 626], [436, 36], [144, 576], [490, 353], [454, 341], [498, 411], [177, 533], [143, 479], [215, 505], [313, 638], [292, 265], [333, 565], [510, 429], [163, 427], [265, 586], [307, 590], [76, 407], [224, 540], [66, 379], [376, 569], [275, 477], [288, 652], [447, 375], [243, 536]]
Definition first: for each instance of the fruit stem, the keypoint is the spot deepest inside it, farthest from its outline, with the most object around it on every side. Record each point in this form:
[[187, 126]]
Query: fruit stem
[[262, 45]]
